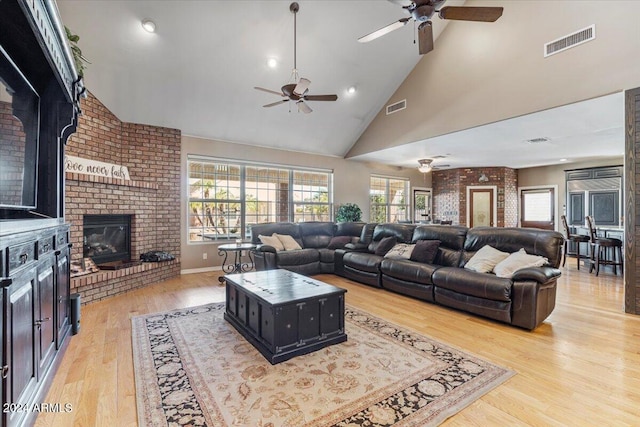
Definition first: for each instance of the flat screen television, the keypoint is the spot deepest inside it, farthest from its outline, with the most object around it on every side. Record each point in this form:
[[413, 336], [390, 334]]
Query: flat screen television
[[19, 129]]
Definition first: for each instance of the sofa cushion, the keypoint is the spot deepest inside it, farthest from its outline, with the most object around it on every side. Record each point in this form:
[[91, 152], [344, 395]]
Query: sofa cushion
[[481, 285], [425, 251], [452, 238], [268, 228], [517, 261], [338, 242], [546, 243], [288, 242], [400, 251], [316, 234], [408, 270], [299, 257], [382, 246], [326, 255], [363, 261], [272, 241], [485, 259]]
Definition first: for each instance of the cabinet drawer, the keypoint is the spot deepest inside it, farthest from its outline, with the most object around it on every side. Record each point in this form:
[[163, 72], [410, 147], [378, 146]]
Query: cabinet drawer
[[20, 255], [45, 245], [62, 239]]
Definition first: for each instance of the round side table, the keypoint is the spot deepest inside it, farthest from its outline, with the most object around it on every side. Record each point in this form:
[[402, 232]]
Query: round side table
[[237, 266]]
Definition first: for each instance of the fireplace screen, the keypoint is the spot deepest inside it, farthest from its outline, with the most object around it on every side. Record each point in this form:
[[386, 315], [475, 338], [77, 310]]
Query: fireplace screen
[[107, 238]]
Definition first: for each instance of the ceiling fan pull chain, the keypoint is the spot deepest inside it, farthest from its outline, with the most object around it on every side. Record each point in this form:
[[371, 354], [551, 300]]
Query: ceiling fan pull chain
[[414, 32]]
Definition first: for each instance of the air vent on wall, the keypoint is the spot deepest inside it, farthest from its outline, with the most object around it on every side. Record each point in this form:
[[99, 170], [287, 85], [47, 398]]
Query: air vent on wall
[[569, 41], [397, 106]]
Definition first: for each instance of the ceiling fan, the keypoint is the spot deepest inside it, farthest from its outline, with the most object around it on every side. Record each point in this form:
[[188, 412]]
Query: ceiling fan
[[422, 11], [426, 166], [297, 90]]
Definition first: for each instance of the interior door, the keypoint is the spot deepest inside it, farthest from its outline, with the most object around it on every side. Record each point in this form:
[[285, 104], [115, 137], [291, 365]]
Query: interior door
[[481, 202], [537, 208], [421, 205]]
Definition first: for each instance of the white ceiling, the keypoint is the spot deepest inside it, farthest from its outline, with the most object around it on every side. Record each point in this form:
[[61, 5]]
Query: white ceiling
[[583, 131], [197, 74]]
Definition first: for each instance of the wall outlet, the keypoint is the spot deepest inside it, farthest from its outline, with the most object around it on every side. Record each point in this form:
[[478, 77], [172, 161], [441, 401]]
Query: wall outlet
[[204, 255]]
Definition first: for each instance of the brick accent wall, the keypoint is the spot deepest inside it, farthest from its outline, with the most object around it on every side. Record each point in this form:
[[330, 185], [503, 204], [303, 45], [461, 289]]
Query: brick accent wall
[[450, 193], [152, 196]]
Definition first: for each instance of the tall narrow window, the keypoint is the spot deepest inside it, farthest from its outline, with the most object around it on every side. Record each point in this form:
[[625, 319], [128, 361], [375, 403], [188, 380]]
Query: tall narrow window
[[388, 199], [227, 198]]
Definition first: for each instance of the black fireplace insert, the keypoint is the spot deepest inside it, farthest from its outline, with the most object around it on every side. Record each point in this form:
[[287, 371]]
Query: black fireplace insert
[[107, 238]]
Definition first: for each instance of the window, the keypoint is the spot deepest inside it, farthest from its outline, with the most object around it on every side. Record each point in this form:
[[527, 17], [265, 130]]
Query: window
[[388, 199], [537, 206], [226, 198]]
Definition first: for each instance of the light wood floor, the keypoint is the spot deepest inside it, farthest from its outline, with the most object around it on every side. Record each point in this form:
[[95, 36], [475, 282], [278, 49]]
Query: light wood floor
[[580, 368]]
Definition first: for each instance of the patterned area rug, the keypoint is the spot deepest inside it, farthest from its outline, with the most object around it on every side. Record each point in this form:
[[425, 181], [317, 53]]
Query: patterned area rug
[[193, 368]]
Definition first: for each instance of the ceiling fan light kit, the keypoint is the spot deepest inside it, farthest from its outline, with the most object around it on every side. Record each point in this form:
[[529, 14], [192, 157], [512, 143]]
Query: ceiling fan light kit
[[298, 88], [421, 12], [425, 165]]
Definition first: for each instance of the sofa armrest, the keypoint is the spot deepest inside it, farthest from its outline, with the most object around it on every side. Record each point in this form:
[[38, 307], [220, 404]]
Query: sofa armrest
[[359, 247], [538, 274], [265, 248]]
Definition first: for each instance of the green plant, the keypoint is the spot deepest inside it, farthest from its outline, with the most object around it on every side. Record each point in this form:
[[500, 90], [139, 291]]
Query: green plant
[[349, 212], [78, 59]]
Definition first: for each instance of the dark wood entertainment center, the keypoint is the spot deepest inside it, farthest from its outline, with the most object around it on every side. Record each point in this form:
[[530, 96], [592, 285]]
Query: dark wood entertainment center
[[34, 238]]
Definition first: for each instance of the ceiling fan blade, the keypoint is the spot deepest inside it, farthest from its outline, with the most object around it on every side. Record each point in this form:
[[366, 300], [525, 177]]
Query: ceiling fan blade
[[425, 37], [384, 30], [321, 97], [303, 107], [268, 91], [302, 86], [481, 14], [273, 104]]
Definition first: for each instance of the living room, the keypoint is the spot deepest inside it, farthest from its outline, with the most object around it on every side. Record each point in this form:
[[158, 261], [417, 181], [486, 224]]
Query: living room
[[566, 370]]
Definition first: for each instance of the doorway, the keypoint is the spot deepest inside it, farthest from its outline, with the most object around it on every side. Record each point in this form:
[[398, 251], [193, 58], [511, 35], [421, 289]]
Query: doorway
[[421, 204], [481, 206]]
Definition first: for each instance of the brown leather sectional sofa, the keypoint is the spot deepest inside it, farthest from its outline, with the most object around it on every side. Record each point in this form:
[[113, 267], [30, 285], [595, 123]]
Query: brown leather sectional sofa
[[524, 300]]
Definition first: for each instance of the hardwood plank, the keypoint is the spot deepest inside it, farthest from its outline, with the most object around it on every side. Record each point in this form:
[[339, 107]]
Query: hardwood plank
[[581, 367]]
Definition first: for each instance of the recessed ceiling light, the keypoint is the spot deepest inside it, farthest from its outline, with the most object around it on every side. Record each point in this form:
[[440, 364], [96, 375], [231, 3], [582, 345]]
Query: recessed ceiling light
[[351, 90], [272, 62], [149, 26], [564, 160]]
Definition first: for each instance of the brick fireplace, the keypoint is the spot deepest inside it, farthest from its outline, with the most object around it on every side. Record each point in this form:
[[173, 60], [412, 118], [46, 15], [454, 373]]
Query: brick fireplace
[[151, 197]]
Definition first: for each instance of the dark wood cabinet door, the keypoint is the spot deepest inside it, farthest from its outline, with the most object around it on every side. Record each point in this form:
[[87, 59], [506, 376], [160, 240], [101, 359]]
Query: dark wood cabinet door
[[62, 295], [44, 314], [604, 206], [576, 212], [20, 343]]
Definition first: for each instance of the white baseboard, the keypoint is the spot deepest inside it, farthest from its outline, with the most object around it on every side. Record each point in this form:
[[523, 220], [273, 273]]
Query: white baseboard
[[200, 270]]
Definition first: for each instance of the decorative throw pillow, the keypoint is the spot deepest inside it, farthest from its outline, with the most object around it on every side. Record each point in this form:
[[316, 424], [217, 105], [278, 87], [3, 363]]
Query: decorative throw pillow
[[288, 242], [385, 245], [425, 251], [485, 259], [517, 261], [338, 242], [272, 241], [400, 251]]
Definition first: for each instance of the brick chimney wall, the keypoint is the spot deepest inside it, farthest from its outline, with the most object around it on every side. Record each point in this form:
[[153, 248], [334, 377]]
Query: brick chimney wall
[[152, 196], [450, 193]]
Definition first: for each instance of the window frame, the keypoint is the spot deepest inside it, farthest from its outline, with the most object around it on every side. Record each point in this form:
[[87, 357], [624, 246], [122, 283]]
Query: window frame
[[245, 222], [388, 205]]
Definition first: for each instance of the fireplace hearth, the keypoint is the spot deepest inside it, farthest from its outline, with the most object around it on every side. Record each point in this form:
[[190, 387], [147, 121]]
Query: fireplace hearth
[[107, 239]]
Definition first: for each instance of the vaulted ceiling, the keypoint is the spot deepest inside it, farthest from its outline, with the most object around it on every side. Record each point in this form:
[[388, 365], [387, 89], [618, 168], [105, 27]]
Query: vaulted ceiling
[[197, 74]]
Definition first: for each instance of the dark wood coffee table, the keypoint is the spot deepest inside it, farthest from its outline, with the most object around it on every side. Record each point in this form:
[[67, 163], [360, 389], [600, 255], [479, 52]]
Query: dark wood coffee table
[[284, 314]]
